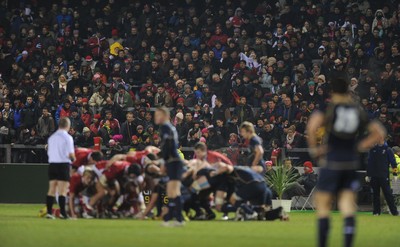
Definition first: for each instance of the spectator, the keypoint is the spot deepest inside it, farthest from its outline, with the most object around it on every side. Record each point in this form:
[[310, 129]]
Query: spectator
[[45, 126], [244, 111], [95, 125], [85, 139], [289, 111], [5, 128], [188, 96], [76, 121], [220, 111], [98, 98], [162, 97], [63, 110], [309, 178], [112, 123], [283, 65], [293, 139], [28, 113], [113, 107], [123, 98], [128, 128]]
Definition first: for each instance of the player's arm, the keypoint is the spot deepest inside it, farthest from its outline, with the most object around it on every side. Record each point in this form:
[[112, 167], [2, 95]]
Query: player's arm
[[316, 121], [226, 160], [392, 161], [154, 169], [71, 149], [115, 158], [188, 172], [376, 133], [152, 149], [223, 168], [71, 204], [258, 153], [149, 207]]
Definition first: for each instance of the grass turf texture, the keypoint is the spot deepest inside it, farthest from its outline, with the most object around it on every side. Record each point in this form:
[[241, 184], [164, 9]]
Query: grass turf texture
[[20, 227]]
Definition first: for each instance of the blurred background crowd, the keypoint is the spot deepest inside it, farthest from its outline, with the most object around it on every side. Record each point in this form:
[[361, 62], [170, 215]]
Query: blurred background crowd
[[106, 64]]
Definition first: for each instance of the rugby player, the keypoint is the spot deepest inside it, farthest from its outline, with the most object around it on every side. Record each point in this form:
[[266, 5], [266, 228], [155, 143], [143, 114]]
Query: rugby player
[[202, 153], [338, 157], [114, 180], [77, 184], [158, 178], [249, 187], [248, 132], [173, 164], [86, 156]]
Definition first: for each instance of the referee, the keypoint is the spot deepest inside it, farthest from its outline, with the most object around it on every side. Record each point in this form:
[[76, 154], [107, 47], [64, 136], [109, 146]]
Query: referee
[[61, 153]]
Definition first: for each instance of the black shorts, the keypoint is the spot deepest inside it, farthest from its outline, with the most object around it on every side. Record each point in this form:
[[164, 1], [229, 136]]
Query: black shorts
[[174, 170], [334, 181], [59, 171]]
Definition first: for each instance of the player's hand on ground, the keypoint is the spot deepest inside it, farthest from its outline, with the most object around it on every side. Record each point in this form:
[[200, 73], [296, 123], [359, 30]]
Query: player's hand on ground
[[140, 216]]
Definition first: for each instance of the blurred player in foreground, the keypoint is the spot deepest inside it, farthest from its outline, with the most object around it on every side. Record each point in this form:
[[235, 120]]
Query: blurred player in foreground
[[338, 157]]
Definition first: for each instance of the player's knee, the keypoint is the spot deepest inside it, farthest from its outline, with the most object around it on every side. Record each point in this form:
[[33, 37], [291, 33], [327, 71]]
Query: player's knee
[[347, 207], [63, 188], [52, 189]]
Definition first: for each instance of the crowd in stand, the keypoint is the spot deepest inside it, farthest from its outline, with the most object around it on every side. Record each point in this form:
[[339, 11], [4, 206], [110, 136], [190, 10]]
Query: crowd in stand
[[107, 63]]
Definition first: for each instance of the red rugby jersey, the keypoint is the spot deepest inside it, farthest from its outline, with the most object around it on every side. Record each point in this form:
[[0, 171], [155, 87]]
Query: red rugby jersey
[[81, 155], [116, 170]]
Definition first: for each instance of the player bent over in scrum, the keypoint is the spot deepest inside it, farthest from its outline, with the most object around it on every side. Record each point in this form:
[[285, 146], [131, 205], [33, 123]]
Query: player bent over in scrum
[[251, 199], [117, 179], [77, 184], [173, 163], [86, 157]]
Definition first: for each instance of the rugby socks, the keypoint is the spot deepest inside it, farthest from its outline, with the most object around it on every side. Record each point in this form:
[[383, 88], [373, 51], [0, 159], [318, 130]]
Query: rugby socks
[[206, 206], [349, 229], [323, 230], [49, 204], [178, 209], [61, 203], [171, 209]]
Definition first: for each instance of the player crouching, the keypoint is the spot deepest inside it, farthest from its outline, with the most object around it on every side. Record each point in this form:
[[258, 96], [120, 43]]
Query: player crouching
[[249, 195], [81, 187], [118, 189]]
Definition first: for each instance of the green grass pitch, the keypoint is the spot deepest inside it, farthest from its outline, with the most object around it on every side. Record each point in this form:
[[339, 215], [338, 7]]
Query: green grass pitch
[[20, 227]]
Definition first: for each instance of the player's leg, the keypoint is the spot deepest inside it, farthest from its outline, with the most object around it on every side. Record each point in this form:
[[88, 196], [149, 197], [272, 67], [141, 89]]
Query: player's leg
[[387, 192], [100, 192], [376, 194], [323, 203], [219, 200], [204, 197], [50, 197], [174, 201], [347, 206], [62, 187]]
